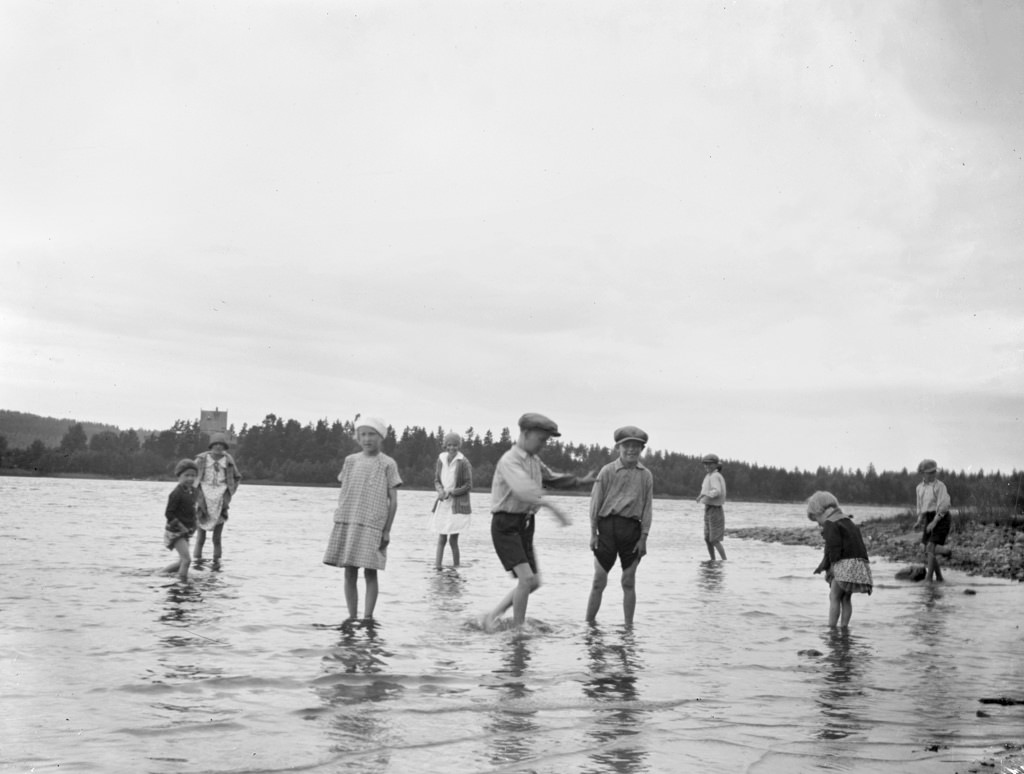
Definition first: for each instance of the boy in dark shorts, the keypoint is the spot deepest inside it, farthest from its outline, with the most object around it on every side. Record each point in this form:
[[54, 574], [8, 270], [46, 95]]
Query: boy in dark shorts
[[933, 511], [517, 493], [621, 505]]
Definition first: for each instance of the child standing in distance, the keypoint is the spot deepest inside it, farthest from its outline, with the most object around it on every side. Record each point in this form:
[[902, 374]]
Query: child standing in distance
[[453, 479], [932, 511], [845, 562], [517, 493], [181, 517], [621, 506], [218, 480], [366, 509], [712, 495]]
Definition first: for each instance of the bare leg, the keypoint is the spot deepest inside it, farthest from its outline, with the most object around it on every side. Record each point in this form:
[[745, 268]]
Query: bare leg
[[370, 576], [711, 549], [441, 540], [351, 592], [629, 591], [181, 566], [216, 540], [453, 540], [847, 609], [200, 542], [526, 583], [835, 604], [721, 549], [596, 591]]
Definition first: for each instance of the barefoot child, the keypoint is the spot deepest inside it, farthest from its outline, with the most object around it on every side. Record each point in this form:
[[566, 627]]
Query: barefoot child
[[453, 479], [845, 562], [712, 495], [218, 480], [933, 512], [621, 504], [516, 495], [181, 517], [362, 521]]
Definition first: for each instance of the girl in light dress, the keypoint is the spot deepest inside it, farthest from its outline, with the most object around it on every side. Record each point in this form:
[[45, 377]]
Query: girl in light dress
[[366, 509], [218, 479], [453, 480]]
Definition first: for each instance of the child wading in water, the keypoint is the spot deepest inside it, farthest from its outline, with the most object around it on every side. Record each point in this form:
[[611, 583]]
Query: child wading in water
[[181, 517], [453, 479], [932, 511], [621, 505], [845, 562], [218, 481], [712, 495], [517, 493], [362, 521]]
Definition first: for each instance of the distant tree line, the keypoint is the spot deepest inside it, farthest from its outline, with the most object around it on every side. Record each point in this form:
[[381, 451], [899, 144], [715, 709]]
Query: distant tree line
[[286, 451]]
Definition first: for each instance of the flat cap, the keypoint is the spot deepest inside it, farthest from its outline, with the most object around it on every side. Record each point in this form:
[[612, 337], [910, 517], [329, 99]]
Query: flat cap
[[630, 433], [532, 421], [926, 466], [710, 459]]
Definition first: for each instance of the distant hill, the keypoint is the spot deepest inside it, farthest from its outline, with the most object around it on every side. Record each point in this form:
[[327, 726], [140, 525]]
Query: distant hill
[[21, 429]]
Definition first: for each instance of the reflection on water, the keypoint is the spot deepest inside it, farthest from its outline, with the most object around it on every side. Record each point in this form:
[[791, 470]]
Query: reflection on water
[[512, 722], [355, 676], [710, 577], [614, 666], [847, 660], [184, 612], [445, 591]]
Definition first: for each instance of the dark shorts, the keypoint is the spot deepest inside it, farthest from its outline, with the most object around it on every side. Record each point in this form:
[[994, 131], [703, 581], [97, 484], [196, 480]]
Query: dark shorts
[[939, 532], [512, 534], [617, 536]]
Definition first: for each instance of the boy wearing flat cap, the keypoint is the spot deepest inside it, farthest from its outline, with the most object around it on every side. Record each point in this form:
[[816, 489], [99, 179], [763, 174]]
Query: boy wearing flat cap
[[517, 493], [621, 505], [932, 511]]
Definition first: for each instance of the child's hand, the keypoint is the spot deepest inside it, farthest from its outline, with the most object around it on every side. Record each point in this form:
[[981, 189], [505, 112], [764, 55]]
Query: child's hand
[[641, 546], [385, 538], [561, 515], [593, 543]]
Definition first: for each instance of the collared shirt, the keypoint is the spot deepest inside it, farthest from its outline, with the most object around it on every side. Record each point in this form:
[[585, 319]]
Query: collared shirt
[[623, 491], [518, 483], [932, 497], [713, 488]]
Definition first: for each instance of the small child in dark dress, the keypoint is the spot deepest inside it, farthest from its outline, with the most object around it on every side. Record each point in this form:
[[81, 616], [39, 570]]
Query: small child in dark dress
[[845, 562], [181, 517]]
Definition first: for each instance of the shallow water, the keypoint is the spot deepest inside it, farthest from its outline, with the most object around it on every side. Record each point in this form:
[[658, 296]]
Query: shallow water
[[109, 667]]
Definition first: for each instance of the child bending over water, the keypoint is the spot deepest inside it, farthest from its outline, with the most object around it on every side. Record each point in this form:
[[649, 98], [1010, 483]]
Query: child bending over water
[[845, 562]]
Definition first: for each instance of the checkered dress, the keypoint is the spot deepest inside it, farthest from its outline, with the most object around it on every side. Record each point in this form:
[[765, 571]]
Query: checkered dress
[[362, 511]]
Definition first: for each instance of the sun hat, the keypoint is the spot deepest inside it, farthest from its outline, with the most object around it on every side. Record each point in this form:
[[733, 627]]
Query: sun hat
[[709, 459], [184, 465], [927, 466], [374, 423], [630, 433], [531, 421], [219, 438]]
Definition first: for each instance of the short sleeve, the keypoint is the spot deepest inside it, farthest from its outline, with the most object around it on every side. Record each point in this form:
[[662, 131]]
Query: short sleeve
[[394, 480]]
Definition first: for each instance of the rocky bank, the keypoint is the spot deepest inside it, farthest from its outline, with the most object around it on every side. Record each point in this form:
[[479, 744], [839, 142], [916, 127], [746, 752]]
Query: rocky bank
[[978, 549]]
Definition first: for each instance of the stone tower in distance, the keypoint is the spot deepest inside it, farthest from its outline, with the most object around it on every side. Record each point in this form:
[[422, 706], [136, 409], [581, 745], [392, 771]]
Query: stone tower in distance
[[215, 421]]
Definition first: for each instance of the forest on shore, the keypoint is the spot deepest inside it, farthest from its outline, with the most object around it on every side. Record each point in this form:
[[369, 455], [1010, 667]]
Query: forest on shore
[[288, 452]]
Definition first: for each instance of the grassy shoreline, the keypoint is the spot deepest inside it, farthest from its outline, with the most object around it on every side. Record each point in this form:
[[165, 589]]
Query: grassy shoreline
[[991, 550]]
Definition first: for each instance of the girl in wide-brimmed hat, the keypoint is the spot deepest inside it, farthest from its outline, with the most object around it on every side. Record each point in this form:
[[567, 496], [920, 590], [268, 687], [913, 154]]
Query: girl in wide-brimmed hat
[[218, 479]]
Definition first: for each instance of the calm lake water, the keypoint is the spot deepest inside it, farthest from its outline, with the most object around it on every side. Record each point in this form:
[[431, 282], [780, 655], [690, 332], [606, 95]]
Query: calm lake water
[[107, 667]]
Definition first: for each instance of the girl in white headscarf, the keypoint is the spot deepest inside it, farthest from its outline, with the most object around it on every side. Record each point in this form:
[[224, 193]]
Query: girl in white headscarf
[[453, 478], [845, 562]]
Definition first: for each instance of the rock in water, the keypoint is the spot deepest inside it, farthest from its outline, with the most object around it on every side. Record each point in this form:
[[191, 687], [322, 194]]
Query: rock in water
[[915, 572], [810, 652]]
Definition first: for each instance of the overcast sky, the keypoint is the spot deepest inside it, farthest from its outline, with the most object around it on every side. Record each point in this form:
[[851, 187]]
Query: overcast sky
[[788, 233]]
